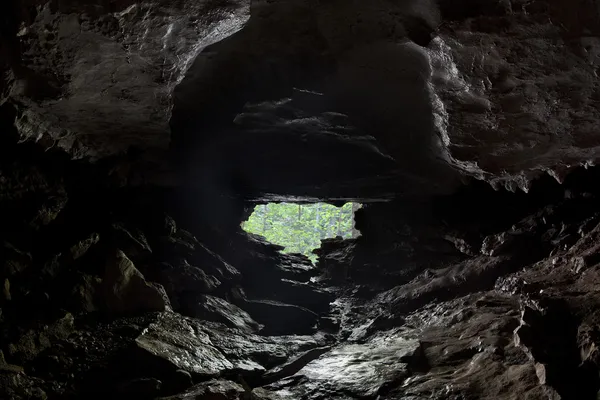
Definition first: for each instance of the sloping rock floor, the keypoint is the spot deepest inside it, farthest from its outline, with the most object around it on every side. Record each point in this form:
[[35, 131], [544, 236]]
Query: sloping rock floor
[[445, 307]]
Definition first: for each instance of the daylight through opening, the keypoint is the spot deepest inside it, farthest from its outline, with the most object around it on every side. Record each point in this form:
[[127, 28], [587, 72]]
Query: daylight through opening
[[301, 227]]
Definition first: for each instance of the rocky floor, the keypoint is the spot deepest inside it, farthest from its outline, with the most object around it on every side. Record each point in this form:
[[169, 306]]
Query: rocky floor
[[145, 310]]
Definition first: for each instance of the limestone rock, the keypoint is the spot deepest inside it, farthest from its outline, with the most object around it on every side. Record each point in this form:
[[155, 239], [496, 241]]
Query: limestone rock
[[303, 295], [34, 341], [85, 294], [132, 241], [15, 260], [6, 290], [126, 291], [214, 389], [185, 245], [48, 211], [295, 364], [8, 368], [280, 318], [210, 349], [215, 309], [80, 249], [352, 370], [102, 57], [21, 387], [182, 280]]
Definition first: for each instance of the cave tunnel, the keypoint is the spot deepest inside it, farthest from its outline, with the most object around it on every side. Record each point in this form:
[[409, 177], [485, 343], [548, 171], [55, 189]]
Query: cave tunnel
[[429, 166]]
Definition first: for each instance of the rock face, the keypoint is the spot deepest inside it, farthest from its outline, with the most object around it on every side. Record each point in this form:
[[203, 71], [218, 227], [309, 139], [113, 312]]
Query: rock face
[[126, 290], [210, 349], [135, 138], [300, 74], [523, 71], [215, 389], [216, 309], [357, 370], [79, 67]]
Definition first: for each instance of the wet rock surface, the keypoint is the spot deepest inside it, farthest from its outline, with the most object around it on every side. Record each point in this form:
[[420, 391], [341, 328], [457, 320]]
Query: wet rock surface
[[463, 312], [211, 349], [354, 370]]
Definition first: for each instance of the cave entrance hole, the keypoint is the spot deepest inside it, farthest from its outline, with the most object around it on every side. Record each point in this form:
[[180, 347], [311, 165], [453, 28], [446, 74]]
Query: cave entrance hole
[[301, 227]]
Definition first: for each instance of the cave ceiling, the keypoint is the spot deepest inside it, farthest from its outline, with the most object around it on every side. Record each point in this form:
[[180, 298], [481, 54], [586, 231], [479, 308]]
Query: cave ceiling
[[286, 97]]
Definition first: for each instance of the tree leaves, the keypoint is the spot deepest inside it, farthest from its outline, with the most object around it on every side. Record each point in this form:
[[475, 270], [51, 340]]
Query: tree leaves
[[300, 227]]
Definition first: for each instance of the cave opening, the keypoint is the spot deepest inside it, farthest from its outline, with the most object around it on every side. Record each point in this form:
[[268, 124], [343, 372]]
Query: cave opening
[[299, 228], [135, 137]]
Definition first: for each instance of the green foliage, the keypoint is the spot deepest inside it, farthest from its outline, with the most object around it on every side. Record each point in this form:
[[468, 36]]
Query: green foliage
[[300, 227]]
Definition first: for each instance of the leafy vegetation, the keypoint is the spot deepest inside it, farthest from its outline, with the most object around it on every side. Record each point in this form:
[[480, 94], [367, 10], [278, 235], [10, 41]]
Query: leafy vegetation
[[300, 227]]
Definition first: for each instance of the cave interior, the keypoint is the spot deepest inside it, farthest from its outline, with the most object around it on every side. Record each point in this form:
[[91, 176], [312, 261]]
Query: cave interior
[[137, 137]]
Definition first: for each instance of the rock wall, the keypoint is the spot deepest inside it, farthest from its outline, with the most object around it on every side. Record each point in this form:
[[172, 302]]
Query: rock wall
[[104, 294], [497, 288], [108, 290]]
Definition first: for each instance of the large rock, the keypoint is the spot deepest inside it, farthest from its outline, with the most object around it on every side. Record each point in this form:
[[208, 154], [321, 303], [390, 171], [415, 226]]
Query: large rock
[[183, 245], [352, 371], [280, 318], [132, 241], [86, 293], [304, 295], [80, 248], [15, 260], [262, 260], [21, 387], [214, 389], [126, 291], [183, 282], [211, 349], [215, 309], [32, 342]]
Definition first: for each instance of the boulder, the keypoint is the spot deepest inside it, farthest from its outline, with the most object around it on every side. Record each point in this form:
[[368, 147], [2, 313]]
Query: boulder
[[84, 294], [351, 371], [34, 341], [183, 277], [132, 241], [280, 318], [48, 210], [184, 245], [80, 248], [295, 364], [126, 291], [216, 389], [304, 295], [183, 281], [6, 290], [215, 309], [215, 264], [209, 349], [8, 368], [18, 386], [15, 260]]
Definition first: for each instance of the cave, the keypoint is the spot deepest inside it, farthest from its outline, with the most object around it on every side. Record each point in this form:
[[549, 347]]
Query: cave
[[136, 138], [300, 228]]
